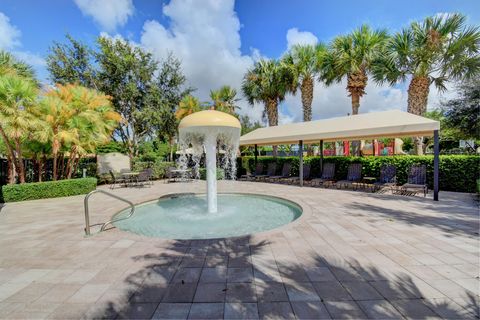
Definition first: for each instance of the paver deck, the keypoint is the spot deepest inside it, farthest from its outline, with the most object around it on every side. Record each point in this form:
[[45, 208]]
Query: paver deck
[[351, 255]]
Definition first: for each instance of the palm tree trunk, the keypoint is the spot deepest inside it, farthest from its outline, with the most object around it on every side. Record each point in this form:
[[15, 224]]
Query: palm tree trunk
[[21, 165], [272, 115], [356, 84], [307, 97], [417, 104], [11, 170], [12, 159], [55, 156]]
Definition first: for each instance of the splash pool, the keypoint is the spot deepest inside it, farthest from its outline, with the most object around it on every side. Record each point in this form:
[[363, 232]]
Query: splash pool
[[187, 216]]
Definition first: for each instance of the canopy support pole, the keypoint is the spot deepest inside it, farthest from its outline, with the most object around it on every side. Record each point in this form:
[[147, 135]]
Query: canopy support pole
[[300, 160], [256, 153], [373, 148], [321, 157], [436, 164]]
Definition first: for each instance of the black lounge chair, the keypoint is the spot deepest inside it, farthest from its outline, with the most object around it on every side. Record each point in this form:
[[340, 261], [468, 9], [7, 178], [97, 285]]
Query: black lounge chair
[[388, 177], [250, 176], [285, 173], [116, 180], [327, 177], [354, 176], [417, 180], [306, 175], [271, 169], [142, 179]]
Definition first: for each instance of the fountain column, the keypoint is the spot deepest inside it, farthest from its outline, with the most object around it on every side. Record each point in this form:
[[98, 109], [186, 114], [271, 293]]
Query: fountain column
[[211, 164]]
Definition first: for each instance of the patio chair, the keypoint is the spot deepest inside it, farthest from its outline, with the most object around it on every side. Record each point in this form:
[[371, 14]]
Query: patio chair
[[285, 173], [388, 177], [142, 179], [354, 176], [306, 175], [328, 175], [116, 179], [250, 176], [271, 169], [170, 174], [417, 180]]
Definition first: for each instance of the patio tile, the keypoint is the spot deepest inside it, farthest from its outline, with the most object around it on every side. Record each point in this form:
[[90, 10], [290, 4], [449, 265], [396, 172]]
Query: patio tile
[[210, 292], [241, 292], [69, 311], [89, 293], [344, 310], [59, 293], [206, 311], [361, 290], [172, 311], [217, 274], [301, 291], [138, 311], [187, 275], [148, 294], [178, 292], [449, 288], [318, 274], [379, 309], [30, 293], [237, 310], [240, 274], [271, 291], [275, 310], [310, 310], [331, 290], [413, 308]]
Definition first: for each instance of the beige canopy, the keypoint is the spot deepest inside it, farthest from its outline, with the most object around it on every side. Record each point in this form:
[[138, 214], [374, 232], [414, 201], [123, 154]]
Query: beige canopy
[[394, 123]]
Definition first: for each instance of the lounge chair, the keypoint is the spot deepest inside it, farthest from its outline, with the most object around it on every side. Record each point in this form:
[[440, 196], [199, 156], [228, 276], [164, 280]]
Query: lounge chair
[[306, 175], [417, 180], [327, 177], [271, 169], [116, 179], [388, 177], [354, 176], [250, 176], [285, 173], [170, 174], [142, 179]]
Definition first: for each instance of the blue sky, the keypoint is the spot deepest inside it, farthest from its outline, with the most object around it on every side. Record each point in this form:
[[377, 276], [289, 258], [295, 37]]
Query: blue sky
[[218, 40]]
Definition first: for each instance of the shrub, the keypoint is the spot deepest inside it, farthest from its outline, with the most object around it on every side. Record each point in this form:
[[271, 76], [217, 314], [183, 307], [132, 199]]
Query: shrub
[[203, 174], [49, 189], [159, 167], [457, 172]]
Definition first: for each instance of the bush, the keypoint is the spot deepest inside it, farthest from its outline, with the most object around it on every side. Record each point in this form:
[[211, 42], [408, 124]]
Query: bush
[[49, 189], [159, 167], [203, 174], [457, 172]]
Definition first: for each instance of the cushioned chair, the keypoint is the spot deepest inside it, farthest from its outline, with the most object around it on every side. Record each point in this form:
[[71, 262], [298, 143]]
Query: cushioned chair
[[388, 177], [327, 176], [285, 173], [354, 176]]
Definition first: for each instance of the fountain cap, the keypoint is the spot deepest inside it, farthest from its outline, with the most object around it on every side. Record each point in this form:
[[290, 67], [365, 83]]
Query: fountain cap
[[209, 118]]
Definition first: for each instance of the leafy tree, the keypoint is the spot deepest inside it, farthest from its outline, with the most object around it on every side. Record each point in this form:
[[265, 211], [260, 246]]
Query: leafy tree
[[248, 125], [352, 56], [434, 51], [268, 82], [12, 66], [225, 99], [71, 63], [304, 62], [17, 120]]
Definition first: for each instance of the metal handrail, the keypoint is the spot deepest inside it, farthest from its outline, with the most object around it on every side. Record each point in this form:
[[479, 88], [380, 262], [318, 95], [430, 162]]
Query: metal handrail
[[87, 212]]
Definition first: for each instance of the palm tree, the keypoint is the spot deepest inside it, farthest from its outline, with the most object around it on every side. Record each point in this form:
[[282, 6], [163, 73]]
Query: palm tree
[[224, 99], [188, 105], [10, 65], [17, 119], [305, 61], [352, 56], [439, 49], [268, 82]]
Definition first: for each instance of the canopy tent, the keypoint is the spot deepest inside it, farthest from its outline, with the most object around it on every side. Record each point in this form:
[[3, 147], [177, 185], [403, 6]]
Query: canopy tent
[[386, 124]]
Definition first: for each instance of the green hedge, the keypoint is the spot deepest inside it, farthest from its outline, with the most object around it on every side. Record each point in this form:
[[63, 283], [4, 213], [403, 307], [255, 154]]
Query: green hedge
[[457, 172], [203, 174], [159, 167], [49, 189]]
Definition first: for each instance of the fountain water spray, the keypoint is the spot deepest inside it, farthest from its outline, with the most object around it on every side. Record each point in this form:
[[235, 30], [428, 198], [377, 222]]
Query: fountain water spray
[[202, 132]]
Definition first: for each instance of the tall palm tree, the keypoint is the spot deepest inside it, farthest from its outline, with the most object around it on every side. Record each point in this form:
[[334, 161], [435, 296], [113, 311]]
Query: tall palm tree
[[17, 120], [188, 105], [268, 82], [436, 50], [351, 56], [304, 62], [225, 99]]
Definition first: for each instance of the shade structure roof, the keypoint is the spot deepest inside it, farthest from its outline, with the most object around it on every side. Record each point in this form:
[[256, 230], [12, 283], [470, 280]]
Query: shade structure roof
[[386, 124]]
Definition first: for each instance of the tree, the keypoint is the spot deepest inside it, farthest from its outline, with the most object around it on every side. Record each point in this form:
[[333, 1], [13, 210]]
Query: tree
[[71, 63], [17, 120], [304, 62], [437, 50], [187, 106], [225, 99], [248, 125], [268, 82]]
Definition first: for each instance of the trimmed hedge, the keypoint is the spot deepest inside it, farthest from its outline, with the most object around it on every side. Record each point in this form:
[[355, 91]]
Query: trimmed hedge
[[203, 174], [49, 189], [457, 172]]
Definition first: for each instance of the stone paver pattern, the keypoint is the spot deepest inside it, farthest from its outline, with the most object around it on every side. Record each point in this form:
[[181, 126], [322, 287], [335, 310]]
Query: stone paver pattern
[[352, 255]]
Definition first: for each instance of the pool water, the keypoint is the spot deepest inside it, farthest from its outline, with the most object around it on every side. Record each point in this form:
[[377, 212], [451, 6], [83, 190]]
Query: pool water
[[186, 216]]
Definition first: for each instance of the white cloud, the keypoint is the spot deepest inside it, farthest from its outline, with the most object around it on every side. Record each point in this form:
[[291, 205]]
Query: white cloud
[[9, 34], [204, 35], [294, 36], [109, 14]]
